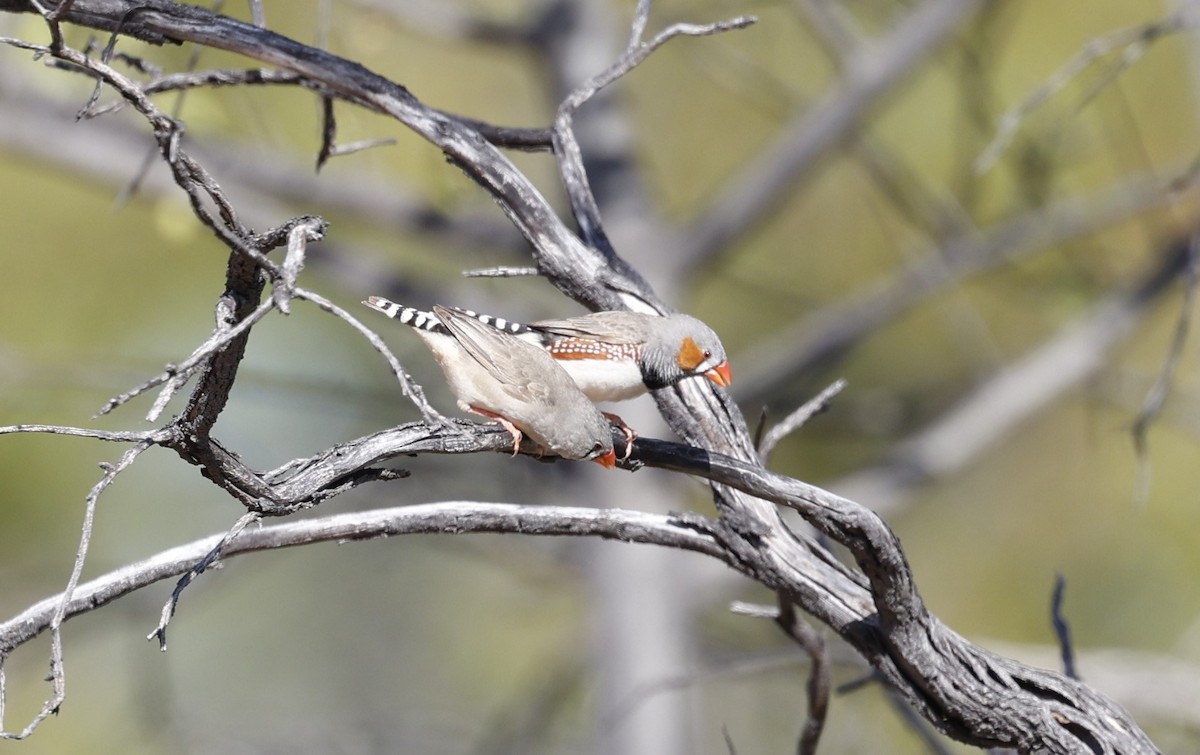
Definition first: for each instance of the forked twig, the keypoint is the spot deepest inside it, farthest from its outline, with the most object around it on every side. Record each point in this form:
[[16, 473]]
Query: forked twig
[[566, 146], [176, 376], [1135, 39], [58, 678]]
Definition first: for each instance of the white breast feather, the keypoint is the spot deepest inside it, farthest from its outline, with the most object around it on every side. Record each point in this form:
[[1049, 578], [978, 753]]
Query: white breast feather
[[467, 381], [605, 379]]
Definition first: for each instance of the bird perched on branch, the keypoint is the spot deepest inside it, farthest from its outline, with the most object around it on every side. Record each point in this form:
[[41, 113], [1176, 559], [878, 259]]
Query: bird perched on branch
[[515, 383], [611, 356]]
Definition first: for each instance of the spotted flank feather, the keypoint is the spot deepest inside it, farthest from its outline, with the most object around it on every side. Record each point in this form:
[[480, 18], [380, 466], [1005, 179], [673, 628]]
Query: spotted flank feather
[[585, 348]]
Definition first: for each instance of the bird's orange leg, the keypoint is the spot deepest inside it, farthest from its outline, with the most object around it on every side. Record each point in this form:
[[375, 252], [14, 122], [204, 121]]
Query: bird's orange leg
[[510, 427]]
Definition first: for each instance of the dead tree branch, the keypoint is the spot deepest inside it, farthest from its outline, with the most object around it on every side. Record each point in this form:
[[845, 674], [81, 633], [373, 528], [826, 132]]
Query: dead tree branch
[[429, 518], [964, 691]]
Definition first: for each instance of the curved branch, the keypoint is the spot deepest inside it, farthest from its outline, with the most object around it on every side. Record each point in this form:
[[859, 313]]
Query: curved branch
[[428, 518], [955, 684]]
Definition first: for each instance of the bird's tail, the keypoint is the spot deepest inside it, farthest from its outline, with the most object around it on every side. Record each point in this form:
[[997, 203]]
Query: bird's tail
[[415, 318], [428, 321]]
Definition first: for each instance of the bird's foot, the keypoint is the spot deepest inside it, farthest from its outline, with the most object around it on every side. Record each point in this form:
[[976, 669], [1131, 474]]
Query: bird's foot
[[625, 429]]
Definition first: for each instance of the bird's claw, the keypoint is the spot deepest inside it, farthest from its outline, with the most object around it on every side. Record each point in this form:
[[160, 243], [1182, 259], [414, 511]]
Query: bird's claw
[[626, 430]]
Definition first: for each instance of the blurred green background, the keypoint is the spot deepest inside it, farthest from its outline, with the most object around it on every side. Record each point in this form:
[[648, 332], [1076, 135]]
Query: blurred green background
[[479, 644]]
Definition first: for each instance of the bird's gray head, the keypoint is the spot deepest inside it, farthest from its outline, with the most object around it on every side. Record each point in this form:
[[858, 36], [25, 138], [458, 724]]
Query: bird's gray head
[[684, 347], [589, 438]]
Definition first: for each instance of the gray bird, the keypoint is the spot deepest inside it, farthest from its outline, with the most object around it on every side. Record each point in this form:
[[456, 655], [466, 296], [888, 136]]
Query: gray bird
[[515, 383], [611, 356], [614, 356]]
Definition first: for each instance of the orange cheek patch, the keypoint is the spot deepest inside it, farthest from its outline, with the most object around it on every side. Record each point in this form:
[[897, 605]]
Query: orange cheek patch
[[690, 355]]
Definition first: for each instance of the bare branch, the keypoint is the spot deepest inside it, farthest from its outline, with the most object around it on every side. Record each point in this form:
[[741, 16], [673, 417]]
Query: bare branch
[[825, 334], [798, 418], [118, 436], [429, 518], [763, 185], [60, 606], [1153, 402], [566, 147], [501, 272], [1015, 393], [818, 677], [1058, 712], [168, 611], [298, 237], [1136, 41]]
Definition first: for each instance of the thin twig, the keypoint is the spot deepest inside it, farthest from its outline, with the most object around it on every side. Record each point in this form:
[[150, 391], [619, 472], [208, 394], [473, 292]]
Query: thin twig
[[730, 747], [64, 600], [118, 436], [784, 614], [410, 387], [1134, 38], [1062, 628], [362, 145], [798, 418], [293, 263], [566, 147], [210, 558], [807, 637], [328, 131], [176, 376], [1156, 397], [502, 272]]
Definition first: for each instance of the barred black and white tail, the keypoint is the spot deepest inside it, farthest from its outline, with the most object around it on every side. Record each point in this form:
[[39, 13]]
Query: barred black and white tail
[[428, 321], [499, 323]]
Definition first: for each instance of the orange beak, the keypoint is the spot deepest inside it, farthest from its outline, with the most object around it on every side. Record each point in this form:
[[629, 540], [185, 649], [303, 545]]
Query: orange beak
[[608, 460], [720, 375]]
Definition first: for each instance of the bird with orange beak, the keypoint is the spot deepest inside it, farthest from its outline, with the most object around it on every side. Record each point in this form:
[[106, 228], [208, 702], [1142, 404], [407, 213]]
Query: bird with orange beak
[[611, 356], [495, 374]]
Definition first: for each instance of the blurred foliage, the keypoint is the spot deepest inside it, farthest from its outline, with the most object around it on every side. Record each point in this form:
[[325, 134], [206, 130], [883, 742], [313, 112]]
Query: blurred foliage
[[425, 644]]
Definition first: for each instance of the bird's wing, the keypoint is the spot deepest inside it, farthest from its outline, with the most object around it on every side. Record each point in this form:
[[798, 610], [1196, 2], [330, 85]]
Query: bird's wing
[[609, 327], [524, 370]]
